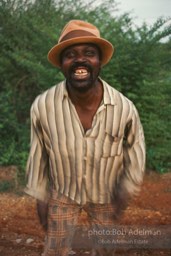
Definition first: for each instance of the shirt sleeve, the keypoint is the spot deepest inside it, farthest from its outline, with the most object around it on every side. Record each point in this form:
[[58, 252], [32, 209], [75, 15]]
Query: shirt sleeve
[[37, 164], [134, 156]]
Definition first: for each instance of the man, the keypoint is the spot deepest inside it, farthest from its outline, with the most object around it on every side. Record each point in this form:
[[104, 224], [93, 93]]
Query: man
[[87, 143]]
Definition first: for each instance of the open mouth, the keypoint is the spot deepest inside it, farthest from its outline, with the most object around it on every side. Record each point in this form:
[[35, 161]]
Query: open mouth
[[81, 72]]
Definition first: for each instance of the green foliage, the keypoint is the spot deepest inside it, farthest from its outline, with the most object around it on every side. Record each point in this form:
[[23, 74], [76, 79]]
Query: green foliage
[[6, 186], [140, 69]]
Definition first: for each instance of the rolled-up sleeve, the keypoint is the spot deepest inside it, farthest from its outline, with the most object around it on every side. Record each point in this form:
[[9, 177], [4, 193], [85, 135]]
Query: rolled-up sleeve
[[134, 155], [37, 164]]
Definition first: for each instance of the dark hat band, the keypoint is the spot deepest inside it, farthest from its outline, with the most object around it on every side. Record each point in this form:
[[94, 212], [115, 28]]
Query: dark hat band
[[76, 33]]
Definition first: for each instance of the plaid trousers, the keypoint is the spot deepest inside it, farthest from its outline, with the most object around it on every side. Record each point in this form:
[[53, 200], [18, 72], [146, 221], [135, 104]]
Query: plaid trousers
[[63, 216]]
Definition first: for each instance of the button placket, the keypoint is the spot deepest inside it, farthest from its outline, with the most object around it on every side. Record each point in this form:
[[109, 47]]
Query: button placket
[[84, 155], [84, 158]]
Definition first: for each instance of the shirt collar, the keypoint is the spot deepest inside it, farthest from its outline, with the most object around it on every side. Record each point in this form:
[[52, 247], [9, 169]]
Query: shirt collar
[[65, 92], [108, 98]]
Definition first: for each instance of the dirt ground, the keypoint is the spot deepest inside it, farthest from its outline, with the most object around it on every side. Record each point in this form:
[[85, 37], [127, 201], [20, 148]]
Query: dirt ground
[[22, 235]]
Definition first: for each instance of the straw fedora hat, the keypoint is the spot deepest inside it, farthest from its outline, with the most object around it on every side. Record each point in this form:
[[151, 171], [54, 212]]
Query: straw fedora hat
[[78, 31]]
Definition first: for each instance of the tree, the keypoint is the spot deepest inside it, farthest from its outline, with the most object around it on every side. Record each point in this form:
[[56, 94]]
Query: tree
[[140, 68]]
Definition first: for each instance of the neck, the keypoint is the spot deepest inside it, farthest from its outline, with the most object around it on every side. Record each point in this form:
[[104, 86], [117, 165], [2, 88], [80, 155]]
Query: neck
[[87, 98]]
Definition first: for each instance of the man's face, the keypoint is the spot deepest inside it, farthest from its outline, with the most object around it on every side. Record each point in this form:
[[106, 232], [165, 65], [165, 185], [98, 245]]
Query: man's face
[[81, 65]]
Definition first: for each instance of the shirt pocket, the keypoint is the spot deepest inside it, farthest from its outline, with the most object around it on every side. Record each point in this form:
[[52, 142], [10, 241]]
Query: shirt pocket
[[112, 145]]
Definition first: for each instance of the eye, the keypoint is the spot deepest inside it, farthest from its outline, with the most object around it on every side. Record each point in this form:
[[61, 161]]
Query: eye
[[90, 53], [69, 54]]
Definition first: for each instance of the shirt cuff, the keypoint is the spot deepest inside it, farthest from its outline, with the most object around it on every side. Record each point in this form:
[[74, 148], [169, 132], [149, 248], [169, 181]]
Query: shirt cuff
[[40, 195]]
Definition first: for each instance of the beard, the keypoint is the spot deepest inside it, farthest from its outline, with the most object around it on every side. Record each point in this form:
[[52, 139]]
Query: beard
[[84, 84]]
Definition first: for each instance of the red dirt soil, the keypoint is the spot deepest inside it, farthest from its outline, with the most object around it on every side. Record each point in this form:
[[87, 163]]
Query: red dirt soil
[[22, 235]]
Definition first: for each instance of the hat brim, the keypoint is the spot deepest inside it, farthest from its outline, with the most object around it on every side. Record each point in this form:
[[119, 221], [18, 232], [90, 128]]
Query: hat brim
[[105, 46]]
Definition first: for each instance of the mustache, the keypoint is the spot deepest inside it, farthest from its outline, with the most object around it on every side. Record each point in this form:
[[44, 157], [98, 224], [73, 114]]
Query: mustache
[[80, 64]]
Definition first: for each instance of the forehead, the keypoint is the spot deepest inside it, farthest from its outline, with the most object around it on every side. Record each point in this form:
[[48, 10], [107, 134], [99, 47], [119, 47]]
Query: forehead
[[81, 46]]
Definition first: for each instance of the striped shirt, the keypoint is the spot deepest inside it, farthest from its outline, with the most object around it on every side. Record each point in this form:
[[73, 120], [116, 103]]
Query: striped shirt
[[84, 166]]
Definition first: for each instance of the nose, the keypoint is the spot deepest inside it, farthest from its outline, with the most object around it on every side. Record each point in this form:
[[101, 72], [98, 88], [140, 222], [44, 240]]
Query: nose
[[79, 58]]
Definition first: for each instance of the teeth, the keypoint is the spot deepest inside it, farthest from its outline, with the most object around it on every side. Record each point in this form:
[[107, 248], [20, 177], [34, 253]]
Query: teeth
[[81, 72]]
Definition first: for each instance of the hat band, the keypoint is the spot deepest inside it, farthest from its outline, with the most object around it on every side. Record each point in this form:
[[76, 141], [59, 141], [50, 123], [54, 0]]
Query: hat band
[[76, 33]]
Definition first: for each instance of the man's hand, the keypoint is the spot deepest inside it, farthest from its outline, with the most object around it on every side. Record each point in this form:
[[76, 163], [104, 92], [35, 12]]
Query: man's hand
[[120, 201], [42, 210]]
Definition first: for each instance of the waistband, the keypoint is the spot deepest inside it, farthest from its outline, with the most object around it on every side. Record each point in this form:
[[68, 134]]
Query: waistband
[[61, 199]]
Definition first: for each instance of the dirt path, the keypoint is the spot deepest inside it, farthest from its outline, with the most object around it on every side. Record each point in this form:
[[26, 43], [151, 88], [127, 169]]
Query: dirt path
[[21, 234]]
